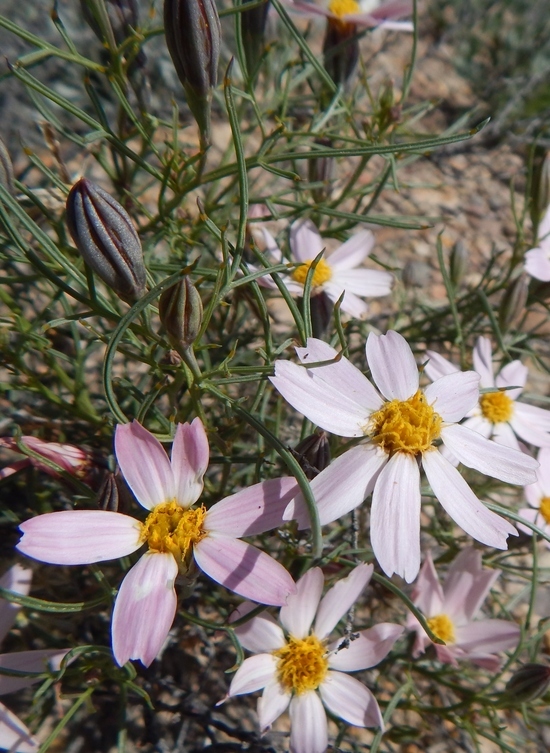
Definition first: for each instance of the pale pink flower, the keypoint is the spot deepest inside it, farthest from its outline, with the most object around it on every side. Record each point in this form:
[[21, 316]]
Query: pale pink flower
[[498, 415], [451, 613], [339, 272], [402, 427], [288, 681], [365, 13], [175, 532], [14, 735], [538, 497], [73, 460], [537, 260]]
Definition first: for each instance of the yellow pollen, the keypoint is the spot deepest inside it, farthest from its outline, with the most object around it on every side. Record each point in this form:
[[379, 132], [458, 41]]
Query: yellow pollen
[[172, 528], [343, 8], [496, 407], [321, 274], [302, 664], [409, 426], [544, 508], [442, 626]]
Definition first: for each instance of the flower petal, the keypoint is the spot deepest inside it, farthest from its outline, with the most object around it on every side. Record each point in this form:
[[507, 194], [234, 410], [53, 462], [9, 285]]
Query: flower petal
[[261, 634], [340, 598], [467, 585], [244, 569], [532, 413], [305, 242], [437, 366], [529, 427], [17, 579], [189, 461], [395, 517], [427, 592], [353, 252], [487, 636], [488, 457], [514, 374], [483, 362], [297, 616], [253, 674], [308, 724], [273, 702], [543, 473], [253, 510], [367, 283], [351, 304], [366, 650], [145, 608], [392, 365], [537, 264], [79, 537], [14, 736], [144, 465], [454, 395], [350, 700], [25, 661], [462, 504], [502, 433]]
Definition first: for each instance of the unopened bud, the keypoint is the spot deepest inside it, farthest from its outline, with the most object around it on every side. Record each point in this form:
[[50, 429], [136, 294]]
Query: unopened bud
[[6, 168], [313, 454], [180, 311], [514, 300], [321, 171], [527, 683], [123, 15], [321, 309], [193, 36], [105, 236], [340, 50], [458, 262], [540, 187], [253, 31]]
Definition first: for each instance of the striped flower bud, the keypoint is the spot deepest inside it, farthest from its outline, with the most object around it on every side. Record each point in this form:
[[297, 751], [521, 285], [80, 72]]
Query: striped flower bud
[[513, 302], [105, 236], [458, 262], [527, 683], [540, 186], [122, 14], [313, 454], [6, 168], [180, 311], [193, 36], [253, 23]]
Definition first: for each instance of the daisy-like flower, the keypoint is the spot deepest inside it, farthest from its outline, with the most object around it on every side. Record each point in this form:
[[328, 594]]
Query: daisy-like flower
[[296, 666], [365, 13], [14, 735], [175, 533], [403, 425], [340, 272], [538, 497], [537, 260], [498, 415], [451, 613], [74, 460]]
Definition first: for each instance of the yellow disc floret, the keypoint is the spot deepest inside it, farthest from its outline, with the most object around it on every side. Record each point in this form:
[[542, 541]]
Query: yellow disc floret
[[343, 8], [544, 508], [409, 426], [174, 529], [321, 274], [442, 626], [302, 664], [496, 407]]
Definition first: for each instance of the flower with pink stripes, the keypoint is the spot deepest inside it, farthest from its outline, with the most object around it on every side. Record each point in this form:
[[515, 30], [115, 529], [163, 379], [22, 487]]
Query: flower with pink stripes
[[362, 13], [74, 460], [297, 667], [177, 535], [451, 613], [404, 427]]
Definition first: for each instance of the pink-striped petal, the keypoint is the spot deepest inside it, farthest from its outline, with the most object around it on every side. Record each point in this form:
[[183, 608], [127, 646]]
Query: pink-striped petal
[[189, 457], [483, 362], [14, 735], [261, 634], [25, 661], [244, 569], [253, 510], [466, 585], [145, 608], [395, 517], [367, 649], [351, 304], [514, 374], [308, 724], [17, 579], [350, 700], [437, 366], [79, 537], [493, 459], [452, 396], [353, 252], [144, 465], [297, 616], [428, 593], [367, 283], [340, 598], [253, 674], [305, 242], [273, 702], [462, 504], [392, 365], [487, 636]]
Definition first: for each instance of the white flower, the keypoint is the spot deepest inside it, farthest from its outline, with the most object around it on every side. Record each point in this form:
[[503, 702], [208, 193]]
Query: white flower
[[538, 496], [366, 13], [537, 260], [297, 668]]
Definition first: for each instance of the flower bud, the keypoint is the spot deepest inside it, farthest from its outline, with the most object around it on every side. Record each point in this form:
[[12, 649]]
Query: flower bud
[[6, 168], [340, 50], [539, 189], [313, 454], [253, 31], [527, 683], [321, 170], [193, 35], [123, 15], [180, 311], [105, 236], [513, 302], [458, 262]]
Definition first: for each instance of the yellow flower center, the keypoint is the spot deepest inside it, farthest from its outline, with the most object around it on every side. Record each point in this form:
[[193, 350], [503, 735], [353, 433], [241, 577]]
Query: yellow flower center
[[172, 528], [343, 8], [442, 626], [496, 407], [544, 508], [321, 274], [302, 664], [408, 426]]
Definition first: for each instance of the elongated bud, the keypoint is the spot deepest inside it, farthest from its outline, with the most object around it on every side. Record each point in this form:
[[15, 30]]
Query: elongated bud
[[340, 50], [527, 683], [458, 263], [513, 302], [321, 171], [180, 311], [313, 454], [253, 23], [540, 187], [193, 36], [6, 168], [105, 236], [123, 15]]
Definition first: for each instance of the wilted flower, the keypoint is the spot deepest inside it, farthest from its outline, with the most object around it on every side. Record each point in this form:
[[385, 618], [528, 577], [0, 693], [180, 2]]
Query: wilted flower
[[335, 274], [451, 613], [297, 667], [402, 426], [538, 496], [105, 236], [537, 260], [498, 415], [74, 460], [174, 532]]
